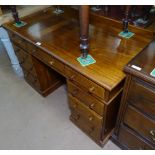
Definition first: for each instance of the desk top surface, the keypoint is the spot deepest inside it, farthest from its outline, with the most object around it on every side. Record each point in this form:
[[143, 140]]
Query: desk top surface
[[145, 61], [59, 36]]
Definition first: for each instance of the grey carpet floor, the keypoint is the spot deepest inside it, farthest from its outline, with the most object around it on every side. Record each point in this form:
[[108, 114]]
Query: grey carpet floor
[[30, 121]]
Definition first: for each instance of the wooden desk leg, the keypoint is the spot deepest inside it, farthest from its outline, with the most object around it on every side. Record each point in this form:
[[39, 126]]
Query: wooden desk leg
[[126, 19], [84, 29], [15, 14]]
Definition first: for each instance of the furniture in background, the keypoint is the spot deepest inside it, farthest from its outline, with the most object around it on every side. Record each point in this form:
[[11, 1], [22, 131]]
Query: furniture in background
[[135, 127], [48, 48]]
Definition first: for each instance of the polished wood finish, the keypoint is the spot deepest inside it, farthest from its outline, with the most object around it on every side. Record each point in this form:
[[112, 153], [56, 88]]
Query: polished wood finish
[[84, 29], [53, 35], [103, 81], [137, 110]]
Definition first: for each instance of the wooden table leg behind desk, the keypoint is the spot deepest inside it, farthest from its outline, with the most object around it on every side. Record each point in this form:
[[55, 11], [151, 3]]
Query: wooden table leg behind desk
[[15, 14], [126, 19], [84, 29]]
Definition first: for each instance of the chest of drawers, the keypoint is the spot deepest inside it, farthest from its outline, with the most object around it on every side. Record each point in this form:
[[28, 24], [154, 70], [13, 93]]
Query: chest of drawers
[[136, 121]]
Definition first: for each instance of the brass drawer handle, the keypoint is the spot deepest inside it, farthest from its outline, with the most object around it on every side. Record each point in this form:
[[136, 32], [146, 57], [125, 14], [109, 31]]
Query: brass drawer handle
[[152, 132], [91, 90], [91, 118], [91, 106]]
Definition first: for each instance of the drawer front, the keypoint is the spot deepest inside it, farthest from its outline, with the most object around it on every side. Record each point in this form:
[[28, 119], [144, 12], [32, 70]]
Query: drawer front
[[142, 96], [18, 40], [91, 130], [32, 80], [140, 123], [86, 98], [131, 140], [91, 87], [90, 116], [25, 60], [49, 60]]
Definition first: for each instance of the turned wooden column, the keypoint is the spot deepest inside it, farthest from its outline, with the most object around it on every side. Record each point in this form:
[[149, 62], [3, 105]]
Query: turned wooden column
[[15, 14], [126, 19], [84, 29]]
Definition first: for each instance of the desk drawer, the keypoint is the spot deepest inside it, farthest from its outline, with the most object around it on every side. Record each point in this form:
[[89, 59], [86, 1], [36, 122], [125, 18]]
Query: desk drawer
[[91, 87], [49, 60], [131, 140], [140, 123], [29, 47], [86, 98], [87, 113], [18, 40], [142, 96], [90, 129], [25, 60], [32, 80]]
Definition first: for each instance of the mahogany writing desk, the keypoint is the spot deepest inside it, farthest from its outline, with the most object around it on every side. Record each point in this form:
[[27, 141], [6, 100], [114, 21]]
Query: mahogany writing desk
[[94, 91]]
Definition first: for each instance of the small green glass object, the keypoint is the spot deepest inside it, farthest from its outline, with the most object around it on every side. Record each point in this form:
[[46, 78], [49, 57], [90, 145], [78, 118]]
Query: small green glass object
[[86, 61], [20, 24], [153, 73], [126, 35]]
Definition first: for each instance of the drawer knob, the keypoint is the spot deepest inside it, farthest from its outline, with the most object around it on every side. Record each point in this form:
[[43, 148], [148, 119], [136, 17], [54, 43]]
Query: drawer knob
[[91, 106], [75, 91], [34, 50], [72, 77], [91, 89], [76, 117], [152, 132], [74, 105], [51, 62], [153, 138], [92, 129], [90, 118]]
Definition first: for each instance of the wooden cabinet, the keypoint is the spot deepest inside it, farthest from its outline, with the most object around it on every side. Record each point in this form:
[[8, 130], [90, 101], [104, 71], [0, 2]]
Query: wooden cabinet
[[136, 120], [36, 73]]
